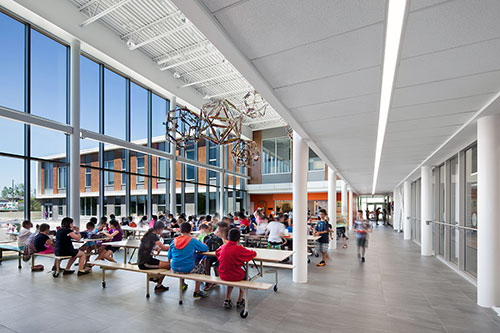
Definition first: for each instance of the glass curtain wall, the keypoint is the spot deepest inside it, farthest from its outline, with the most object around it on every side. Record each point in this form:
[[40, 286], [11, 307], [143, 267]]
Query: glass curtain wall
[[34, 78], [471, 210]]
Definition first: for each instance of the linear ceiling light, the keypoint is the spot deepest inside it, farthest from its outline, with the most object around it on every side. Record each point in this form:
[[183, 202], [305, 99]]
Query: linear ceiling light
[[394, 30]]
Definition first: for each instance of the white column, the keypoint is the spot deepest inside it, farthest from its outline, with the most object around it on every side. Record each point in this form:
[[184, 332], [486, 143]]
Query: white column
[[426, 211], [407, 210], [74, 162], [488, 197], [173, 166], [395, 222], [350, 213], [300, 159], [332, 200], [222, 177], [344, 200]]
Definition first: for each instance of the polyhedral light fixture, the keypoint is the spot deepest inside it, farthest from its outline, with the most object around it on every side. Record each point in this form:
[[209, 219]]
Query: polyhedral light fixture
[[254, 106], [245, 153], [184, 127], [224, 121]]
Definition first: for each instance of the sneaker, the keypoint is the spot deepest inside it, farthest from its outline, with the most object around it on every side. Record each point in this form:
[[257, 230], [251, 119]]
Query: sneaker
[[184, 287], [200, 294], [228, 304], [67, 272], [345, 246], [160, 289], [362, 259], [240, 304], [80, 273], [321, 263], [208, 286]]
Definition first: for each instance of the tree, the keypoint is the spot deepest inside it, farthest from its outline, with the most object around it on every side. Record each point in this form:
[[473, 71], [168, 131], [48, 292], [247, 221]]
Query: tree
[[13, 192]]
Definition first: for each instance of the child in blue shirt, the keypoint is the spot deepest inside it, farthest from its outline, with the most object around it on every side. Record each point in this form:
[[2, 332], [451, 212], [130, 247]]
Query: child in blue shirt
[[182, 255]]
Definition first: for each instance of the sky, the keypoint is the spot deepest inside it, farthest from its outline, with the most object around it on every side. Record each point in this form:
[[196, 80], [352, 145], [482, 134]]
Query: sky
[[48, 99]]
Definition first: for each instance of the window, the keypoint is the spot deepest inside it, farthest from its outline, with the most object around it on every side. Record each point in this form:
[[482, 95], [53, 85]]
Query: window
[[212, 160], [61, 177], [11, 63], [48, 77], [140, 168], [109, 178], [276, 155], [159, 110], [471, 210], [162, 169], [89, 98], [124, 169], [48, 175], [114, 104], [315, 163], [138, 113], [88, 176], [191, 170]]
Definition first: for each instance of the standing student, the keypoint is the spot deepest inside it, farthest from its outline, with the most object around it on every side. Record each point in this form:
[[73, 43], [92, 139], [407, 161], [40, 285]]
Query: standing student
[[231, 257], [24, 233], [213, 241], [361, 228], [116, 235], [323, 230], [42, 242], [182, 253], [151, 245], [64, 246]]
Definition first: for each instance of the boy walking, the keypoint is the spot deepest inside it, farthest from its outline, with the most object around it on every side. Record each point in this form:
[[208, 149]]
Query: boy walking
[[323, 230], [361, 228]]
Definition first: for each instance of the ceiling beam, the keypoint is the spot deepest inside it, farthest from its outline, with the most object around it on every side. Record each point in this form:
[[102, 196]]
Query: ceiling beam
[[161, 36], [104, 12]]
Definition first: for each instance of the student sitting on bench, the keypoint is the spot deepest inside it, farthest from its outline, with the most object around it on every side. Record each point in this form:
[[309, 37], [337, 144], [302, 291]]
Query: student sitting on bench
[[152, 245], [231, 258], [43, 244], [116, 235], [64, 246], [24, 234], [182, 253]]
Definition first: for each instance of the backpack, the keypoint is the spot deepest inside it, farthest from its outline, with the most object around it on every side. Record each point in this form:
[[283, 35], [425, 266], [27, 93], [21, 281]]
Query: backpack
[[29, 248]]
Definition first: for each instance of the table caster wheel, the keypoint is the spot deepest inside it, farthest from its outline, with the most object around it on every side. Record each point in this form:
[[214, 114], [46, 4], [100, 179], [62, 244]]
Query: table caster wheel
[[55, 274], [104, 284], [180, 302], [244, 313], [275, 288], [147, 295], [308, 260]]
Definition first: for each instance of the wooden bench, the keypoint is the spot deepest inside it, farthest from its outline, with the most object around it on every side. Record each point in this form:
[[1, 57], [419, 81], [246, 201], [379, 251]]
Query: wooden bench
[[245, 285], [11, 248], [57, 261]]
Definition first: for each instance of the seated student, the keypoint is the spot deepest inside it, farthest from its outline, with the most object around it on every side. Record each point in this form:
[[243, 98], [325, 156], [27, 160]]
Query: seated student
[[116, 235], [64, 246], [89, 233], [152, 245], [103, 224], [24, 233], [42, 242], [261, 226], [143, 222], [182, 256], [154, 218], [231, 258], [244, 223], [214, 240], [131, 222], [274, 231], [204, 231]]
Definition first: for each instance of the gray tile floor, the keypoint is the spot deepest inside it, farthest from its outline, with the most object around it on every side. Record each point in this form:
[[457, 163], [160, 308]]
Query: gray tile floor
[[396, 290]]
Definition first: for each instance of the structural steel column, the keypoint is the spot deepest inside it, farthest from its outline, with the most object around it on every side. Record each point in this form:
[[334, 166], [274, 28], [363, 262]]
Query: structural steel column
[[332, 201], [173, 170], [426, 211], [222, 178], [488, 196], [74, 162], [406, 210], [300, 160]]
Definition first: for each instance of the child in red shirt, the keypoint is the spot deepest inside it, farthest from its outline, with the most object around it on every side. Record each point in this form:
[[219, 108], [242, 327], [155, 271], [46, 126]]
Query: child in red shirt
[[231, 257]]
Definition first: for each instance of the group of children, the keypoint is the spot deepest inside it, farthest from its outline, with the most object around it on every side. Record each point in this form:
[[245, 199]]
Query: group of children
[[61, 242], [183, 256]]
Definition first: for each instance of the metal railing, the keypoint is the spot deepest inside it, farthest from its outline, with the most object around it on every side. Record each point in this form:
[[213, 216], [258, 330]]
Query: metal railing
[[451, 225]]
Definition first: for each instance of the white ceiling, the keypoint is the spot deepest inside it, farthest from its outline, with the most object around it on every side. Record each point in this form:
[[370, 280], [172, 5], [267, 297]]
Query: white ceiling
[[322, 60]]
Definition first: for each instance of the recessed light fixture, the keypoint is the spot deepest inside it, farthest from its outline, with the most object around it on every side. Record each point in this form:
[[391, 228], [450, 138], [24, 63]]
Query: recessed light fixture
[[396, 14], [130, 43], [177, 75], [184, 19]]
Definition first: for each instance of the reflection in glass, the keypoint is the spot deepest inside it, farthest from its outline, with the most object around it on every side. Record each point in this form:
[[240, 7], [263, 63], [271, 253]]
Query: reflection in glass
[[471, 210]]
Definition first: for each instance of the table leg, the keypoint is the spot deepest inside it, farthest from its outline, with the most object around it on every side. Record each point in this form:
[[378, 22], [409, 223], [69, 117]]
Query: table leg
[[248, 271], [147, 285], [1, 256], [19, 260], [124, 255], [181, 283], [103, 277]]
